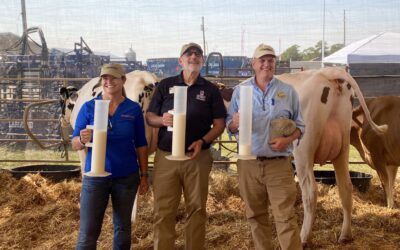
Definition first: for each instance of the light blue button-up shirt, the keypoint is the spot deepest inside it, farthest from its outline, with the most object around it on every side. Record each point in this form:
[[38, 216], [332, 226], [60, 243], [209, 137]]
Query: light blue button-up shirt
[[279, 100]]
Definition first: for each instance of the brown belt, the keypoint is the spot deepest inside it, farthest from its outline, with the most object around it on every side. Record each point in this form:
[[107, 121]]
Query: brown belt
[[264, 158]]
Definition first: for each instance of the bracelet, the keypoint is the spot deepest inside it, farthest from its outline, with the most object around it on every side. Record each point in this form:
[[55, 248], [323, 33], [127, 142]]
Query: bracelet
[[204, 141], [80, 141], [144, 174]]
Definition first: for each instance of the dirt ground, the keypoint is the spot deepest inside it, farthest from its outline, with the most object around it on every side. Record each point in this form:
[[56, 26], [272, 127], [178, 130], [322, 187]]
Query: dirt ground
[[38, 214]]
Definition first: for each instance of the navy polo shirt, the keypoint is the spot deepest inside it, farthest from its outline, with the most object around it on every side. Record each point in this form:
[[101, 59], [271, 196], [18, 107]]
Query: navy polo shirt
[[204, 103], [125, 133]]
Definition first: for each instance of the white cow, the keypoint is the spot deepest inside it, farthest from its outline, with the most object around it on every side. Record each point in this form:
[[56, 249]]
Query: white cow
[[326, 104], [139, 87]]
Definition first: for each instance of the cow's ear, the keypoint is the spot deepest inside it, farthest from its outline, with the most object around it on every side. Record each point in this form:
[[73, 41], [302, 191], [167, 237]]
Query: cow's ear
[[64, 93]]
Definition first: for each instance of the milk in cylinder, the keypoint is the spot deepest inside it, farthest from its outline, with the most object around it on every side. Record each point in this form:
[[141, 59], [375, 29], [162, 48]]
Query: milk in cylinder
[[178, 135], [245, 149], [99, 151]]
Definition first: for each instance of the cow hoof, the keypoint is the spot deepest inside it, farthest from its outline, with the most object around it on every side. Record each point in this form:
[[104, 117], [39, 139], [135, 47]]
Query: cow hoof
[[345, 240]]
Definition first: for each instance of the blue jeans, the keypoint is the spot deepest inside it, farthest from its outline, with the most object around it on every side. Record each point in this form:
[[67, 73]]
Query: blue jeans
[[94, 199]]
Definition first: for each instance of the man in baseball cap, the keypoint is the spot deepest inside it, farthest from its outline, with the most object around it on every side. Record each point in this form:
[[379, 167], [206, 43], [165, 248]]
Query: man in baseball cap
[[273, 147], [204, 123]]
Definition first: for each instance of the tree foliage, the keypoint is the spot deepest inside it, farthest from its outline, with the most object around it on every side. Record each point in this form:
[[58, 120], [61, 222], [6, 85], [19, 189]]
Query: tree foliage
[[335, 47], [293, 53]]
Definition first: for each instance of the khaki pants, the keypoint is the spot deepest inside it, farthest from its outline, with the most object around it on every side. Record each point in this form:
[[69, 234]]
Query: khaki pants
[[170, 178], [270, 181]]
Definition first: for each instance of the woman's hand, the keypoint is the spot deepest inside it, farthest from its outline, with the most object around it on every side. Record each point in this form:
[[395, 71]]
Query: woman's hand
[[85, 135]]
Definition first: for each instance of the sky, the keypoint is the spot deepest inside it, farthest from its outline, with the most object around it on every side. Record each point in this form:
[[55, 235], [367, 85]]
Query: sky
[[158, 28]]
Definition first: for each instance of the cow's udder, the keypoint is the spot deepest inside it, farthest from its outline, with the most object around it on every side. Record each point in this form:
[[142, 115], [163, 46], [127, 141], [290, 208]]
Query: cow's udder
[[331, 142]]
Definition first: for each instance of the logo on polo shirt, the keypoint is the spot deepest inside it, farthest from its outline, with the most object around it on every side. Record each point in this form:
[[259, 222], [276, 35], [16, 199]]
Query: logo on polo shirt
[[201, 96], [281, 95], [127, 116]]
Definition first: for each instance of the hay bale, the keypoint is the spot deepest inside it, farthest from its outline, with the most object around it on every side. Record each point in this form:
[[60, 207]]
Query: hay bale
[[38, 214]]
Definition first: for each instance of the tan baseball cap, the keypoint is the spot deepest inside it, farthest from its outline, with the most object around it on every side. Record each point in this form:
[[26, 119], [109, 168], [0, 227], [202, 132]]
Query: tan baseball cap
[[113, 69], [186, 47], [262, 50]]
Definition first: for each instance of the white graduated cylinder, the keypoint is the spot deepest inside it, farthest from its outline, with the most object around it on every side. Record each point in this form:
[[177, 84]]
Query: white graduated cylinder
[[245, 120], [99, 138], [179, 124]]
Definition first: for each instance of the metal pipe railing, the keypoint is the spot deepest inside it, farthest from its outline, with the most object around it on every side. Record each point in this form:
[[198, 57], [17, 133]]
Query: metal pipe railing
[[66, 80], [29, 120]]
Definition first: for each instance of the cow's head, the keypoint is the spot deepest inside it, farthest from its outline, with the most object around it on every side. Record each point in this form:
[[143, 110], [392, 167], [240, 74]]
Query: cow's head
[[68, 97]]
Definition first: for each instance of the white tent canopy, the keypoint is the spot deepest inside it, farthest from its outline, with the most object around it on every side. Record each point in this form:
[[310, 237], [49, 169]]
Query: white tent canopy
[[381, 48]]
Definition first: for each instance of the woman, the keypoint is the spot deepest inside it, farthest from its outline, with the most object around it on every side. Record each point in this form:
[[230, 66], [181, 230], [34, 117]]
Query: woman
[[126, 151]]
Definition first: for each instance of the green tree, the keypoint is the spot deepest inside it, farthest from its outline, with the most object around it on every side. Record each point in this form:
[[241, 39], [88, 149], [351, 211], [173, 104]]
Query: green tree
[[314, 53], [309, 54], [292, 54], [335, 47]]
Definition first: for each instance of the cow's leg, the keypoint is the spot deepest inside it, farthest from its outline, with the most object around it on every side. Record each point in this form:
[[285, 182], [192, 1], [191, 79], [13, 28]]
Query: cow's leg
[[309, 198], [384, 176], [305, 175], [341, 164], [391, 172]]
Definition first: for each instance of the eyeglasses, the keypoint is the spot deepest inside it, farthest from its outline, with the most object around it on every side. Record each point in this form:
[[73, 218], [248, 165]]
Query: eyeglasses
[[195, 52]]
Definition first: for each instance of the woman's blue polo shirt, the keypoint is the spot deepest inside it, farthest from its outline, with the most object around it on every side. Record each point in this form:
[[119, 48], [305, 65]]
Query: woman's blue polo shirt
[[125, 133]]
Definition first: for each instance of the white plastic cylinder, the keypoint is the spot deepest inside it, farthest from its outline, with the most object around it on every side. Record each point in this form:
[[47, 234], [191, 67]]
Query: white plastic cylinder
[[180, 99], [99, 138], [179, 124], [245, 121]]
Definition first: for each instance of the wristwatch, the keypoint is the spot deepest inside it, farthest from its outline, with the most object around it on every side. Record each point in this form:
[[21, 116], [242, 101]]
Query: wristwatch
[[145, 174]]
